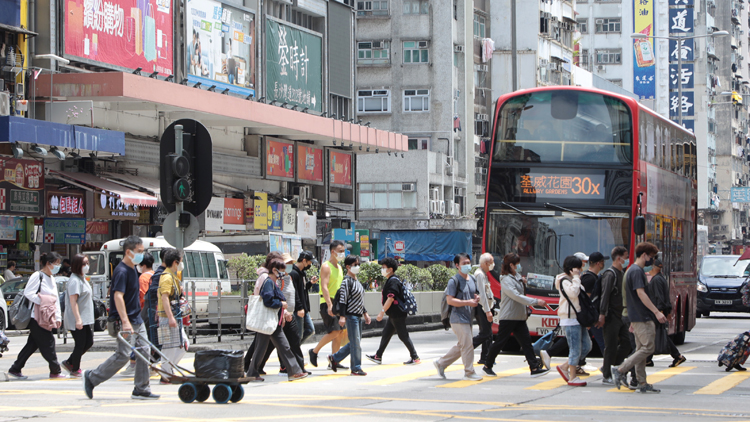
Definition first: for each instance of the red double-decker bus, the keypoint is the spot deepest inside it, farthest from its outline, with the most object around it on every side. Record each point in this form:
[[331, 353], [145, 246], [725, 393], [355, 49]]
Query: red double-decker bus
[[584, 170]]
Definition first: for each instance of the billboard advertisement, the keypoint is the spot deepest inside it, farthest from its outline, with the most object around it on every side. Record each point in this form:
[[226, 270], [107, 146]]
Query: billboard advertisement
[[294, 67], [220, 44], [309, 164], [279, 159], [121, 33], [644, 57], [21, 187], [340, 168]]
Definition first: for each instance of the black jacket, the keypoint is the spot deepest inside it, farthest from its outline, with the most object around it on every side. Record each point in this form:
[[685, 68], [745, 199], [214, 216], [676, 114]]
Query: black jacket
[[611, 304], [658, 292], [302, 299]]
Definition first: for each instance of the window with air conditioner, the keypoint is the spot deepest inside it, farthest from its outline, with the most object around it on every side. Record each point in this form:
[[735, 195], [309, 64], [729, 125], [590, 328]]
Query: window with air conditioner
[[416, 100], [374, 101], [373, 52], [609, 56], [372, 8], [608, 25], [387, 195], [416, 52], [583, 25]]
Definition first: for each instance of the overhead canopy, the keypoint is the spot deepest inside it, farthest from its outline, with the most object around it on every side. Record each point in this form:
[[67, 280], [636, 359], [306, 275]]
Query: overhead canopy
[[19, 129], [17, 30], [89, 181], [424, 245], [135, 182]]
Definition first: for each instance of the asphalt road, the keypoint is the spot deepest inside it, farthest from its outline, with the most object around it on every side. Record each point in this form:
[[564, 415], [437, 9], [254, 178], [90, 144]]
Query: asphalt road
[[698, 390]]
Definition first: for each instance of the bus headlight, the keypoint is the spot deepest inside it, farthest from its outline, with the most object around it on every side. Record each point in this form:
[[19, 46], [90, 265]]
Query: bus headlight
[[702, 288]]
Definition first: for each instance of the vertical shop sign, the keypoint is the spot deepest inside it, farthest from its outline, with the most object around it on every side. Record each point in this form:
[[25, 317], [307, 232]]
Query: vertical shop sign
[[644, 57]]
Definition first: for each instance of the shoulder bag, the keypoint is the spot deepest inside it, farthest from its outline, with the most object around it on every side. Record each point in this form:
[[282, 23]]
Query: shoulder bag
[[20, 310], [259, 318]]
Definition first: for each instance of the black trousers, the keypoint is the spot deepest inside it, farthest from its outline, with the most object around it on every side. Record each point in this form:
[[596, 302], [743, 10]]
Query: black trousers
[[84, 339], [520, 331], [396, 325], [292, 336], [617, 344], [485, 332], [42, 340]]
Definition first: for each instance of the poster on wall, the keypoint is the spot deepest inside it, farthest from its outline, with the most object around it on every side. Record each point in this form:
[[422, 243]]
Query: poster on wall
[[21, 187], [294, 70], [220, 46], [234, 214], [279, 159], [309, 164], [644, 57], [275, 216], [260, 211], [126, 34], [67, 231], [340, 169]]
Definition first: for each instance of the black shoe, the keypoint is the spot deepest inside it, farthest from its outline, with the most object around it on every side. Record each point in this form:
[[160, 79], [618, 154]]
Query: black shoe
[[282, 371], [375, 358], [633, 383], [262, 372], [340, 366], [481, 362], [144, 396], [677, 362], [487, 370], [647, 389], [313, 358], [650, 364], [416, 361], [539, 371], [332, 364], [739, 368], [88, 386], [359, 373]]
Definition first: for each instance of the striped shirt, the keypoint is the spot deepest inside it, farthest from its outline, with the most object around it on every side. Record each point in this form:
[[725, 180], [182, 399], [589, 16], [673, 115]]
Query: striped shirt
[[352, 297]]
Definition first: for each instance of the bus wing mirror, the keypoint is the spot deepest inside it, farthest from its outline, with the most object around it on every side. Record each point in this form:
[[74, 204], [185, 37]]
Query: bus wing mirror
[[639, 225]]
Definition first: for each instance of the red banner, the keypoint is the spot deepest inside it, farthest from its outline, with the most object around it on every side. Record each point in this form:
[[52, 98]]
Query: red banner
[[279, 159], [309, 164], [123, 33], [234, 211], [97, 227], [340, 166]]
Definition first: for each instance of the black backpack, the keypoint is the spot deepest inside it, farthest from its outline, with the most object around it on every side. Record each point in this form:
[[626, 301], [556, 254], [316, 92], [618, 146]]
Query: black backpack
[[596, 294], [589, 314]]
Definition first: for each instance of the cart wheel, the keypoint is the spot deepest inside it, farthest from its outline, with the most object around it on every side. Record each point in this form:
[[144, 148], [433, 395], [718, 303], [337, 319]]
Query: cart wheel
[[187, 392], [238, 393], [222, 393], [204, 392]]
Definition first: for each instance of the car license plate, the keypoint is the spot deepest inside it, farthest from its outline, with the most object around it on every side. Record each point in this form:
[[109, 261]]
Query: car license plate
[[9, 302], [722, 302]]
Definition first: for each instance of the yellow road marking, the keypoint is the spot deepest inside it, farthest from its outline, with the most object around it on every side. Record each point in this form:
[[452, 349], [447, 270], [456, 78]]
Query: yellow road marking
[[556, 383], [344, 373], [414, 375], [503, 374], [657, 377], [724, 383]]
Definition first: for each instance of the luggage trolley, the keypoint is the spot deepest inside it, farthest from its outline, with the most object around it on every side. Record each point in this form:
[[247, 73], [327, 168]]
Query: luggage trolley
[[192, 388]]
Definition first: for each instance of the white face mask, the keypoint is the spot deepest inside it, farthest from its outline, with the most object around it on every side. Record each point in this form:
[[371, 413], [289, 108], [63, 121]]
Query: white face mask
[[384, 272], [340, 256], [354, 270], [86, 269], [492, 266], [180, 267]]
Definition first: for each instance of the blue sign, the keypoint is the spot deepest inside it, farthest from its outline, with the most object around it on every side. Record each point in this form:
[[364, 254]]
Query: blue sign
[[688, 76], [66, 231], [686, 49], [680, 2], [275, 216], [687, 124], [680, 21], [741, 195], [343, 234], [687, 104]]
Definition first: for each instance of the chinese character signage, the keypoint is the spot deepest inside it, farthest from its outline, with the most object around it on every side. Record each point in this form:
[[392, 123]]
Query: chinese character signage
[[687, 103], [67, 231], [685, 48], [689, 125], [260, 212], [109, 207], [687, 75], [220, 42], [340, 168], [680, 21], [21, 186], [741, 195], [289, 218], [121, 33], [294, 71], [279, 159], [309, 164], [65, 204], [544, 185], [644, 63]]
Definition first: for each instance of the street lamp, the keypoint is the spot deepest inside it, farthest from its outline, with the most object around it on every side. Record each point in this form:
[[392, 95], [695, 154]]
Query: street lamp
[[639, 36]]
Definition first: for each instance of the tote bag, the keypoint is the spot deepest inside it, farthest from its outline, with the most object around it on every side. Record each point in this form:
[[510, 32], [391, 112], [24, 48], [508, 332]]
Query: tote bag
[[259, 318]]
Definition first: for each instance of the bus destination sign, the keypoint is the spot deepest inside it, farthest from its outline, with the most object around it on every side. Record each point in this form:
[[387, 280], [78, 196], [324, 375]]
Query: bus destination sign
[[546, 185]]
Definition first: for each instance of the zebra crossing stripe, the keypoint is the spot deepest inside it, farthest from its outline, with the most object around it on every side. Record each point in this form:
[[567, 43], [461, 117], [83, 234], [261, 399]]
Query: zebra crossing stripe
[[657, 377], [724, 383], [503, 374]]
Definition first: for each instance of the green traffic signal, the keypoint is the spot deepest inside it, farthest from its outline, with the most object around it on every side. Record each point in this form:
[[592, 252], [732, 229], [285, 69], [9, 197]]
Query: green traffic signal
[[181, 190]]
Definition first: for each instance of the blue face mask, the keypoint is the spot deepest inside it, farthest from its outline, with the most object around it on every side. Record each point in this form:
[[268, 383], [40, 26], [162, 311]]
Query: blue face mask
[[626, 263], [56, 268], [648, 268], [519, 268], [465, 269], [137, 258]]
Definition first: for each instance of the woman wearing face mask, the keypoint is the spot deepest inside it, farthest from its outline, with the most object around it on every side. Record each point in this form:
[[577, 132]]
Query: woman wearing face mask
[[171, 336], [41, 286], [352, 307], [392, 293], [79, 314]]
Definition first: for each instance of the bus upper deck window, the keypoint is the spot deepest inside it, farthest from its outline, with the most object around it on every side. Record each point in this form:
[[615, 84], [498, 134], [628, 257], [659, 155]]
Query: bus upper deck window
[[564, 105]]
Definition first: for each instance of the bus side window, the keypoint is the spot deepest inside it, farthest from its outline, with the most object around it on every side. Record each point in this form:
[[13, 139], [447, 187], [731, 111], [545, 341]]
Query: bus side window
[[208, 265], [194, 262], [223, 269]]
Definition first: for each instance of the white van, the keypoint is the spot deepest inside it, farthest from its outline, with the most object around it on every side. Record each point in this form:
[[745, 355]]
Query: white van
[[204, 263]]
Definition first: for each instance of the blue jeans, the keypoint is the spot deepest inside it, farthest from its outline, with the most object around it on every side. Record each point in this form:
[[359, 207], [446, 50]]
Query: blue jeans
[[354, 331], [598, 334], [305, 327], [579, 343]]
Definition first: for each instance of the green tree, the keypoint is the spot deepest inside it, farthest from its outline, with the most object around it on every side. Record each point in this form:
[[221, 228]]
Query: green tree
[[369, 272], [440, 276], [420, 278]]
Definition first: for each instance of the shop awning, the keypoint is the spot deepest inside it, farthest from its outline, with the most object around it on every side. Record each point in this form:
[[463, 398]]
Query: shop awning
[[135, 182], [20, 129], [424, 245], [17, 30], [89, 181]]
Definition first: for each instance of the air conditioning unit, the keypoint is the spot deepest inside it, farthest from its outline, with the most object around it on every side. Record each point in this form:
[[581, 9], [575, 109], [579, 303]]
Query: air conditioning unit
[[458, 48], [378, 44], [441, 204], [423, 44], [4, 104], [434, 194], [480, 170], [458, 191], [601, 67], [553, 66], [543, 62], [408, 187], [483, 118], [434, 208], [481, 67]]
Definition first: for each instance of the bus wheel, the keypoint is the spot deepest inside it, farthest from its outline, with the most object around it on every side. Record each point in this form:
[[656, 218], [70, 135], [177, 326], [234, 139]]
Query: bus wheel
[[678, 338]]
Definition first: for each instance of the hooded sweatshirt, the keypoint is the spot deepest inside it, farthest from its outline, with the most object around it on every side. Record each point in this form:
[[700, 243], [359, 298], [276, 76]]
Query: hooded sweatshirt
[[572, 286]]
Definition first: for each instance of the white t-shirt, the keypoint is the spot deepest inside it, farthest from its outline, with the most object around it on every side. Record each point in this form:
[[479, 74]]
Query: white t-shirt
[[8, 275]]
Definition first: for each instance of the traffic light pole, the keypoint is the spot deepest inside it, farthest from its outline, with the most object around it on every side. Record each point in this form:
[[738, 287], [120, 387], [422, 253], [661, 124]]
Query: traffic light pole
[[181, 230]]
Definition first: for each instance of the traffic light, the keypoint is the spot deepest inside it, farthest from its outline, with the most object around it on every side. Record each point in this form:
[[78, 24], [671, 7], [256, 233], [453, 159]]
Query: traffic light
[[186, 176], [176, 171]]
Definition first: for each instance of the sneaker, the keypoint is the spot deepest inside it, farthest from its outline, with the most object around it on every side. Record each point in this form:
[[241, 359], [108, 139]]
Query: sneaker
[[472, 377], [256, 379], [440, 371], [650, 364], [562, 373], [576, 382], [299, 376], [164, 381], [608, 381], [647, 389], [76, 374], [88, 386], [679, 361], [332, 364], [129, 371], [282, 371], [144, 396], [618, 378], [261, 372], [340, 366], [581, 372], [313, 358], [546, 359], [481, 362], [739, 368], [633, 385], [358, 373], [18, 375], [67, 366], [539, 371], [416, 361], [59, 375], [487, 370], [375, 359]]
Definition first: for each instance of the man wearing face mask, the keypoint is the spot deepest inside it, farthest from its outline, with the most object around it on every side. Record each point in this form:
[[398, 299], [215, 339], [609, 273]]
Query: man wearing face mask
[[331, 276], [483, 312], [298, 273], [616, 341]]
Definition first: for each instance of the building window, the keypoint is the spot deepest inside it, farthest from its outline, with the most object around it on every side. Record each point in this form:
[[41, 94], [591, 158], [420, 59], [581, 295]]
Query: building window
[[387, 196], [417, 100], [480, 75], [416, 52], [583, 58], [373, 52], [378, 101], [481, 125], [416, 7], [609, 56], [479, 25], [339, 106], [617, 82], [416, 144], [583, 25], [374, 8], [607, 25]]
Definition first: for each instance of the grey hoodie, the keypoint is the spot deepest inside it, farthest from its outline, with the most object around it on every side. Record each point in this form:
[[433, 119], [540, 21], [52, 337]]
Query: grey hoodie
[[513, 303]]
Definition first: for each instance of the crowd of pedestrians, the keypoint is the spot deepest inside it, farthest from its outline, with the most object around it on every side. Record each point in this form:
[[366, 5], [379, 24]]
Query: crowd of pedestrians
[[620, 307]]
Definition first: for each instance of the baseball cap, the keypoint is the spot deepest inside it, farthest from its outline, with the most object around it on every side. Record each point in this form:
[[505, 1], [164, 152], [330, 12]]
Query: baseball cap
[[658, 263], [582, 256], [597, 257]]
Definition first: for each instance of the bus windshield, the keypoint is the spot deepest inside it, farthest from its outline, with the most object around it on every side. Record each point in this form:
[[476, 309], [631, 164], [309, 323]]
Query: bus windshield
[[544, 238], [564, 126]]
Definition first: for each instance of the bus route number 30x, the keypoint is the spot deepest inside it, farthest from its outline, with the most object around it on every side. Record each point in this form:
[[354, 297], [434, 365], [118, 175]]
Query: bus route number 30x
[[558, 185]]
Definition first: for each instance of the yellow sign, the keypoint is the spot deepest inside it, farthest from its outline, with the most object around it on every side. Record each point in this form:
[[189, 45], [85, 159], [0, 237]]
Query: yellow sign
[[261, 211]]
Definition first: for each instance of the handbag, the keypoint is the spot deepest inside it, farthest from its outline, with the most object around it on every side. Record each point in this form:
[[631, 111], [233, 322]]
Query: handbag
[[545, 341], [661, 340], [260, 318], [20, 310]]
